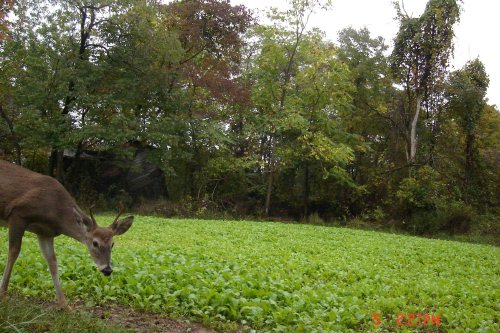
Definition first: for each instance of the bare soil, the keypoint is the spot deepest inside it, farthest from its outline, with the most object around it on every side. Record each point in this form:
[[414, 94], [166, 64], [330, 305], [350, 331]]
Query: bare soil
[[130, 319], [143, 322]]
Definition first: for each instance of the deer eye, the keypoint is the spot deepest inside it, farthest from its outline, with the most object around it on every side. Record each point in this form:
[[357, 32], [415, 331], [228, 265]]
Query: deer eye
[[95, 244]]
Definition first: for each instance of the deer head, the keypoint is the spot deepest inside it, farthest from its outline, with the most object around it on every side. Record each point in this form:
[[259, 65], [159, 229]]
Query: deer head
[[99, 240]]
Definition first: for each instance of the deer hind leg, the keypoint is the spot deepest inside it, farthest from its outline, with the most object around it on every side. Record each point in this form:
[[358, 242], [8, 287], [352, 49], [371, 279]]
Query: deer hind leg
[[47, 247], [16, 232]]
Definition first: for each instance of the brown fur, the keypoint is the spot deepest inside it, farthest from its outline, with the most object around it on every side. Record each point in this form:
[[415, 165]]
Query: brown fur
[[33, 202]]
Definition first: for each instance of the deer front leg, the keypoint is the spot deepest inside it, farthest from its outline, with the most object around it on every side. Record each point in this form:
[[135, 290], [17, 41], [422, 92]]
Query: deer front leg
[[16, 232], [47, 247]]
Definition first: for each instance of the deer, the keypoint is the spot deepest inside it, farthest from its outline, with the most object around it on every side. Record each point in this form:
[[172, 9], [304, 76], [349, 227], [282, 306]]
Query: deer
[[30, 201]]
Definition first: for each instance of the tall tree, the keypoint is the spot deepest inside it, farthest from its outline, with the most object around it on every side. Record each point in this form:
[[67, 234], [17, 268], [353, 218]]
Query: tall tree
[[314, 137], [5, 8], [85, 47], [466, 93], [370, 118], [280, 49], [422, 49]]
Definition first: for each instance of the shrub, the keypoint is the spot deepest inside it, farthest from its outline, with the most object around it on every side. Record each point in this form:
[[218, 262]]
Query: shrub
[[457, 217], [376, 215], [428, 205], [423, 222], [314, 218], [423, 192]]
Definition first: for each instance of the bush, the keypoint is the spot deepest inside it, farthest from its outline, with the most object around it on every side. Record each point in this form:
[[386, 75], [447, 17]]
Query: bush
[[457, 218], [453, 217], [376, 215], [423, 222], [314, 218], [427, 205], [487, 224], [425, 191]]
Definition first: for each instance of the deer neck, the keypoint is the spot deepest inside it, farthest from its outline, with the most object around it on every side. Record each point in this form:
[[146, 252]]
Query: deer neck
[[77, 230]]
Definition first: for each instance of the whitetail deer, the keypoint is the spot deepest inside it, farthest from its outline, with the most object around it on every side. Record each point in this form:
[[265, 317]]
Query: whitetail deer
[[33, 202]]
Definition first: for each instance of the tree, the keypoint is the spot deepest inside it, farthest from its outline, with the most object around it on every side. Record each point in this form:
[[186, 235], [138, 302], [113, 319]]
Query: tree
[[422, 49], [277, 65], [140, 68], [466, 93], [314, 140], [5, 8], [370, 121], [488, 175]]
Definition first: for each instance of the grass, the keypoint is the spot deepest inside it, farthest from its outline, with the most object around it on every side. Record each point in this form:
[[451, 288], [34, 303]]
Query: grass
[[18, 314], [279, 277]]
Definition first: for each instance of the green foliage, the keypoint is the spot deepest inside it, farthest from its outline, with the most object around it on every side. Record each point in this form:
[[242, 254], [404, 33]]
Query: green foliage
[[299, 90], [466, 92], [425, 191], [376, 215], [430, 205], [249, 118], [423, 45], [419, 60], [276, 277]]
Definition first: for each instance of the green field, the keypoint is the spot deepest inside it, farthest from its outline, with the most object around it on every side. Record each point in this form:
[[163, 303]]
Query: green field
[[279, 277]]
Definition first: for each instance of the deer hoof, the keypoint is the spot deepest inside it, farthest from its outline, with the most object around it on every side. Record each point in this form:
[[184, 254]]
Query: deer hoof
[[64, 306]]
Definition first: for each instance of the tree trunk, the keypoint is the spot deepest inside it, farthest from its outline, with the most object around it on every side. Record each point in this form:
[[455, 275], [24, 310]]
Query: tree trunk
[[52, 163], [56, 162], [13, 136], [413, 135], [307, 191], [73, 174], [60, 166], [432, 146], [284, 88], [469, 163], [469, 154], [270, 180]]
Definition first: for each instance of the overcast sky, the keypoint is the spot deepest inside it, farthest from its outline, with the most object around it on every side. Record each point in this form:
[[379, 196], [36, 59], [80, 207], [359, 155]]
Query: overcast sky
[[477, 34]]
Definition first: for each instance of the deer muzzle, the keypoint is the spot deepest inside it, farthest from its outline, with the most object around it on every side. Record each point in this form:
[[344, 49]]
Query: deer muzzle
[[107, 271]]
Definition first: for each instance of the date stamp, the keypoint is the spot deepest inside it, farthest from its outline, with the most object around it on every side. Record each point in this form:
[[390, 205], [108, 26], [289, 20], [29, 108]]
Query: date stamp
[[408, 319]]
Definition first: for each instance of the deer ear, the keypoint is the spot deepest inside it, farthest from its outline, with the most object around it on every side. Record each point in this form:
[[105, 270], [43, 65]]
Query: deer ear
[[121, 227], [84, 220]]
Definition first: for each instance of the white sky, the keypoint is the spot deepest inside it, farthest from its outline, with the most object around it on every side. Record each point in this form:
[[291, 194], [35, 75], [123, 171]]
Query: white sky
[[476, 35]]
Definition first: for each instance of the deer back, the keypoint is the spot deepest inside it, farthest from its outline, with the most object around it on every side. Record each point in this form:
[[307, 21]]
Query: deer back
[[39, 201]]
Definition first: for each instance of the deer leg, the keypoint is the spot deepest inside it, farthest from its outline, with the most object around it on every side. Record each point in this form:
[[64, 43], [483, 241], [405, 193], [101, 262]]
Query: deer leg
[[16, 232], [47, 247]]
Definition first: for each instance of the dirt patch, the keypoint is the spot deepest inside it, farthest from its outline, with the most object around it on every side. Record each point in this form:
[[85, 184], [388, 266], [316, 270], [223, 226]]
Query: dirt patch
[[143, 322], [130, 319]]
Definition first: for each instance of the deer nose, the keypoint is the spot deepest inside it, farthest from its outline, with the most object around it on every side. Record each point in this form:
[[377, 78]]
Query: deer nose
[[107, 271]]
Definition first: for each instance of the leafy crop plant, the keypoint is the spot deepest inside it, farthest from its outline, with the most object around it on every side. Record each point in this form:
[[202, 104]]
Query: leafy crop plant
[[282, 277]]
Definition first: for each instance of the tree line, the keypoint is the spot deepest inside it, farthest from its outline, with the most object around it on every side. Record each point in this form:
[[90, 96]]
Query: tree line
[[252, 118]]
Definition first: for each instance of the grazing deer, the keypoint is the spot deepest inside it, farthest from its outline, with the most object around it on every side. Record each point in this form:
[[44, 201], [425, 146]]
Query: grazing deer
[[40, 204]]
